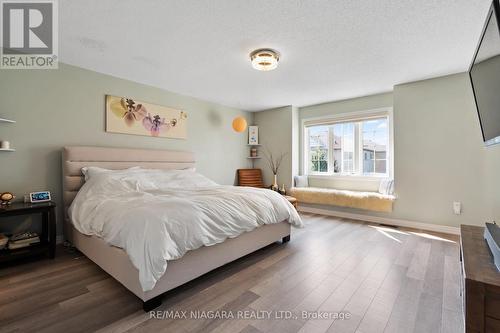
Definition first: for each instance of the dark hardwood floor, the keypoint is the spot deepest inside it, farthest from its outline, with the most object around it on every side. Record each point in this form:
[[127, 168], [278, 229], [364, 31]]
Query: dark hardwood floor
[[387, 279]]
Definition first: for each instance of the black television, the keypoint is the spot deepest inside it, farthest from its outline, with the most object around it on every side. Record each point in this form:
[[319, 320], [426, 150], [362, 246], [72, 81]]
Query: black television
[[484, 74]]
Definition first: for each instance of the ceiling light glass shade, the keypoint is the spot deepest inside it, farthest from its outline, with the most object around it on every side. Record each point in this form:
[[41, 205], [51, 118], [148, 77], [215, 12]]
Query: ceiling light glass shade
[[264, 59], [239, 124]]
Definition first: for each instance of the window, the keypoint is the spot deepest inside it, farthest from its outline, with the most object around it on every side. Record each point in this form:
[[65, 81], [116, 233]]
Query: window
[[375, 141], [357, 146], [318, 148], [343, 147]]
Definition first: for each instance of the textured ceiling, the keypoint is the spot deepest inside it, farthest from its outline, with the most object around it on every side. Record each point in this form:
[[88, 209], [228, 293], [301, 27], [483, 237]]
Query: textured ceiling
[[330, 50]]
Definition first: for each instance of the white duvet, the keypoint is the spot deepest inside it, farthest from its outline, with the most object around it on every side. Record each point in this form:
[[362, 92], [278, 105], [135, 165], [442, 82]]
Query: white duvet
[[158, 215]]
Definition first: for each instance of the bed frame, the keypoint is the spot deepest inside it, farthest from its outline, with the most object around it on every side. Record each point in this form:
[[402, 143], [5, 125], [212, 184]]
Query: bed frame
[[115, 261]]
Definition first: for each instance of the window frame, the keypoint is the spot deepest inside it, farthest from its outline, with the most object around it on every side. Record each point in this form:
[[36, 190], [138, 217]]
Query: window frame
[[328, 154], [357, 116]]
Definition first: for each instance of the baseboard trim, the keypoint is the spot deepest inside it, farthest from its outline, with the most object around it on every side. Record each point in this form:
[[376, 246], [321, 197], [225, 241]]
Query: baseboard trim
[[383, 220]]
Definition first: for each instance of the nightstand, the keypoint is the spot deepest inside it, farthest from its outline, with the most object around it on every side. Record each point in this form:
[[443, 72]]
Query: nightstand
[[47, 243], [292, 200]]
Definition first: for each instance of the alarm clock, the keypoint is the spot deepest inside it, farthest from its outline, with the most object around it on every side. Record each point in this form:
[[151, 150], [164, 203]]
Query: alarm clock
[[6, 198], [43, 196]]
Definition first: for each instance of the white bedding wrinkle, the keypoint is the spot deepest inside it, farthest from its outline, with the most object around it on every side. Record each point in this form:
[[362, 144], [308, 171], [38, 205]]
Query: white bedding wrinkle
[[157, 215]]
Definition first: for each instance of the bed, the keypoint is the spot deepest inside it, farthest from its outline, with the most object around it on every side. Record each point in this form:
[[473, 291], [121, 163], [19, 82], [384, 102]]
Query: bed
[[115, 261]]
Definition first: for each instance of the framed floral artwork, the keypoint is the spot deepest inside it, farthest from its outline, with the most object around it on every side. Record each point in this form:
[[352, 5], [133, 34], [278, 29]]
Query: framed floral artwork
[[129, 116]]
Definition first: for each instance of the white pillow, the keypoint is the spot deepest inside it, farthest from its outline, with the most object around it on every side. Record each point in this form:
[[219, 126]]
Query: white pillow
[[89, 172], [301, 181], [149, 179], [386, 187]]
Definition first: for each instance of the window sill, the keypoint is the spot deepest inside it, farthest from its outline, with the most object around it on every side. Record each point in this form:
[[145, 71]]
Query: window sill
[[350, 178]]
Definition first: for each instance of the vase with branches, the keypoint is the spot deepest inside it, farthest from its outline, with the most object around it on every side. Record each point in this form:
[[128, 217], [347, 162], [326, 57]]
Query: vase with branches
[[274, 163]]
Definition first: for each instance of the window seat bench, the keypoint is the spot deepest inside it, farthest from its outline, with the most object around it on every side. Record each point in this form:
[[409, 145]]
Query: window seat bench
[[373, 201]]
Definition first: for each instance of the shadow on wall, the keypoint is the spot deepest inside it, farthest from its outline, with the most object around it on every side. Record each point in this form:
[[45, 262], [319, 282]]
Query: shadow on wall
[[214, 118], [235, 182]]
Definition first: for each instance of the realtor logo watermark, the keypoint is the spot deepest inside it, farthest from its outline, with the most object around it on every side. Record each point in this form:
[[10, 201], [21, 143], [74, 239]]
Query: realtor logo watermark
[[29, 34]]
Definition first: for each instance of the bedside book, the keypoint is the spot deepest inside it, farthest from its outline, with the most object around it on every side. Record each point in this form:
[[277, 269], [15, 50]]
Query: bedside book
[[23, 243], [22, 236], [24, 239]]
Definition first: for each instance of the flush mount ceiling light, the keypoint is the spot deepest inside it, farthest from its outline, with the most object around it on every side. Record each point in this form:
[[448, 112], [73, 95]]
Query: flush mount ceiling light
[[264, 59]]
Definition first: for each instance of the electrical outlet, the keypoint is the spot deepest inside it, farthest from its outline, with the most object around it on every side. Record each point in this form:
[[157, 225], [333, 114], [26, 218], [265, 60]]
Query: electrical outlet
[[457, 208]]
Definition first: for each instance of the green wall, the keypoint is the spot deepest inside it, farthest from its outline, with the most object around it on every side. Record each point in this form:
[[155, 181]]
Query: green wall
[[439, 153], [55, 108], [275, 135], [440, 156]]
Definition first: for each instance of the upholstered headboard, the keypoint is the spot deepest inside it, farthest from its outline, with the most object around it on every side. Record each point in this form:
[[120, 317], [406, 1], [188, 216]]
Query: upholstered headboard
[[76, 157]]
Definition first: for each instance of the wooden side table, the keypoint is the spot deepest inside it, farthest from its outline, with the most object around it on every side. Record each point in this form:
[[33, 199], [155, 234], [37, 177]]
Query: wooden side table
[[292, 200], [480, 282], [47, 238]]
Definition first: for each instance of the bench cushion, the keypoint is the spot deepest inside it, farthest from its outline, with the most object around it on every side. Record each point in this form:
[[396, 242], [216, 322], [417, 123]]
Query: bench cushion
[[327, 196]]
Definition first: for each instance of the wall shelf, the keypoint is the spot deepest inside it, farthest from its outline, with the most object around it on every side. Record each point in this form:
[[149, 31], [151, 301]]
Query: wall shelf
[[253, 157], [7, 149], [257, 144], [3, 120]]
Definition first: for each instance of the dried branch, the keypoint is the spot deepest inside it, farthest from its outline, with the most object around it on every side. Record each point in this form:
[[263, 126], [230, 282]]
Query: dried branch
[[274, 164]]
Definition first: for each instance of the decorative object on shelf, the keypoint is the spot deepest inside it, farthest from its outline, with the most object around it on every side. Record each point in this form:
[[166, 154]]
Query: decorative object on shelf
[[253, 141], [275, 186], [274, 165], [253, 135], [282, 190], [6, 198], [264, 59], [253, 152], [4, 145], [239, 124], [254, 155], [128, 116], [43, 196]]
